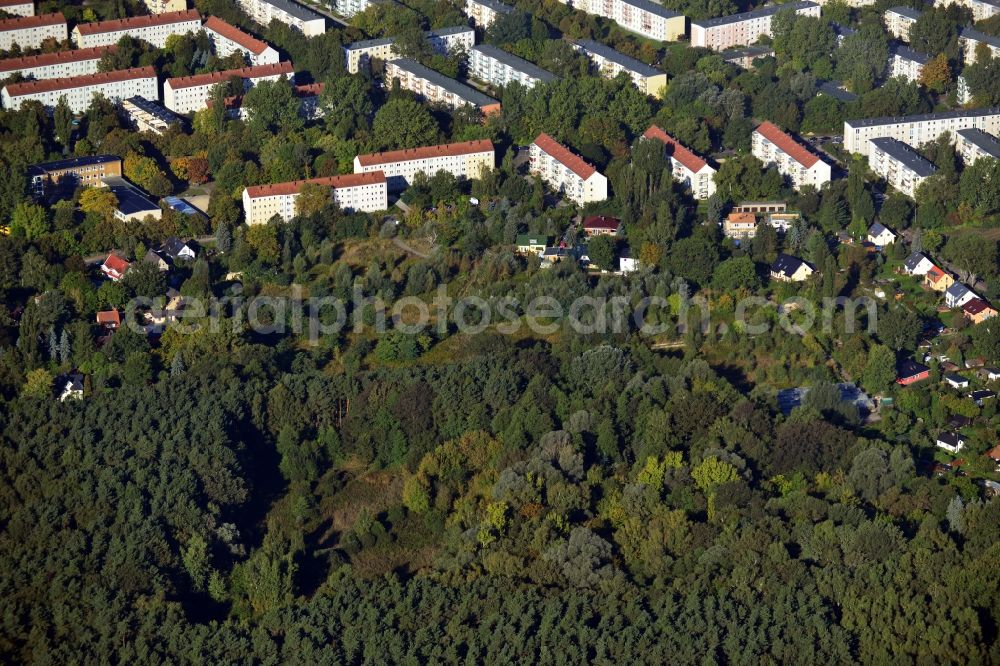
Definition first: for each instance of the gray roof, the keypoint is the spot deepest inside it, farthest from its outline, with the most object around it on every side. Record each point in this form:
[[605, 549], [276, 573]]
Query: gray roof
[[385, 41], [71, 163], [906, 53], [908, 12], [977, 36], [914, 260], [877, 227], [609, 53], [957, 290], [519, 64], [294, 9], [495, 5], [470, 95], [982, 140], [369, 43], [652, 8], [843, 30], [757, 13], [786, 264], [891, 120], [448, 32], [830, 88], [131, 200], [902, 153], [956, 378]]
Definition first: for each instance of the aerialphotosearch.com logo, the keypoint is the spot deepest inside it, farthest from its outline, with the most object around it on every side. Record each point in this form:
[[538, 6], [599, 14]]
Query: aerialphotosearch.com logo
[[318, 316]]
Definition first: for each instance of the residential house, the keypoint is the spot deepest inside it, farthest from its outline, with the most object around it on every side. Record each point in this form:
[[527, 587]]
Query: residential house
[[177, 249], [950, 441], [991, 374], [228, 39], [977, 310], [72, 388], [109, 319], [626, 262], [601, 225], [133, 204], [114, 267], [18, 7], [937, 279], [981, 396], [910, 372], [790, 269], [644, 17], [185, 94], [899, 20], [529, 244], [958, 295], [60, 65], [155, 29], [68, 174], [917, 264], [739, 226], [155, 258], [906, 63], [880, 236], [956, 381], [498, 68]]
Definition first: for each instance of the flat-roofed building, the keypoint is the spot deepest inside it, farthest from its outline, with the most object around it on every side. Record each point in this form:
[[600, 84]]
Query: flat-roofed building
[[981, 9], [686, 167], [444, 41], [906, 63], [365, 192], [917, 130], [80, 90], [191, 93], [289, 12], [484, 12], [70, 173], [973, 144], [643, 17], [499, 68], [59, 65], [29, 32], [899, 20], [566, 172], [149, 116], [18, 7], [773, 146], [969, 40], [744, 57], [611, 63], [462, 160], [726, 32], [133, 203], [437, 88], [228, 39], [901, 166], [154, 29]]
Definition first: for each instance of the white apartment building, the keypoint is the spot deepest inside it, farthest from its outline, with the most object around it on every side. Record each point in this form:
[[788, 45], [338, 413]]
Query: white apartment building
[[981, 9], [349, 8], [484, 12], [352, 192], [61, 65], [901, 166], [444, 41], [642, 17], [611, 63], [191, 93], [80, 90], [899, 20], [566, 172], [906, 63], [289, 12], [165, 6], [773, 146], [726, 32], [153, 29], [917, 130], [973, 144], [491, 65], [18, 7], [228, 39], [29, 32], [437, 88], [462, 160], [969, 39], [686, 167]]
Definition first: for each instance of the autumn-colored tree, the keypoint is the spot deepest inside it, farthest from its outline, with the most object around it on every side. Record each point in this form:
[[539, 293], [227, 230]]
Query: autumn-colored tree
[[100, 201], [263, 238], [312, 198], [936, 73]]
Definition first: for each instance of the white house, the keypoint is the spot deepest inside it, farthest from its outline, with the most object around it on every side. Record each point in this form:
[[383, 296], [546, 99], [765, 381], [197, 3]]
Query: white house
[[611, 63], [772, 146], [72, 388], [899, 20], [958, 295], [917, 264], [880, 236], [952, 442], [973, 144], [566, 172]]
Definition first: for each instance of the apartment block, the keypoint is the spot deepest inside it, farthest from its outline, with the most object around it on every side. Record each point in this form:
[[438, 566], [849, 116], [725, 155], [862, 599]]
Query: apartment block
[[462, 160], [726, 32], [69, 173], [773, 146], [191, 93], [565, 172], [611, 63], [29, 32], [149, 116], [349, 8], [484, 12], [981, 9], [906, 63], [445, 41], [154, 29], [18, 7], [686, 167], [289, 12], [364, 192], [744, 57], [973, 144], [969, 40], [901, 166], [917, 130], [643, 17], [437, 88], [61, 65], [498, 68], [165, 6], [80, 90], [899, 20], [228, 39]]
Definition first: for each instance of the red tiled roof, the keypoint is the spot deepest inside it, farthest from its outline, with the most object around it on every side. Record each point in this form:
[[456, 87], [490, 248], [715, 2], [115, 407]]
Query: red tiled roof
[[109, 317], [47, 85], [116, 263], [308, 90], [137, 22], [212, 78], [443, 150], [75, 55], [347, 180], [787, 144], [25, 22], [601, 222], [563, 155], [14, 3], [234, 34], [742, 218], [935, 273], [994, 453], [691, 161], [975, 306]]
